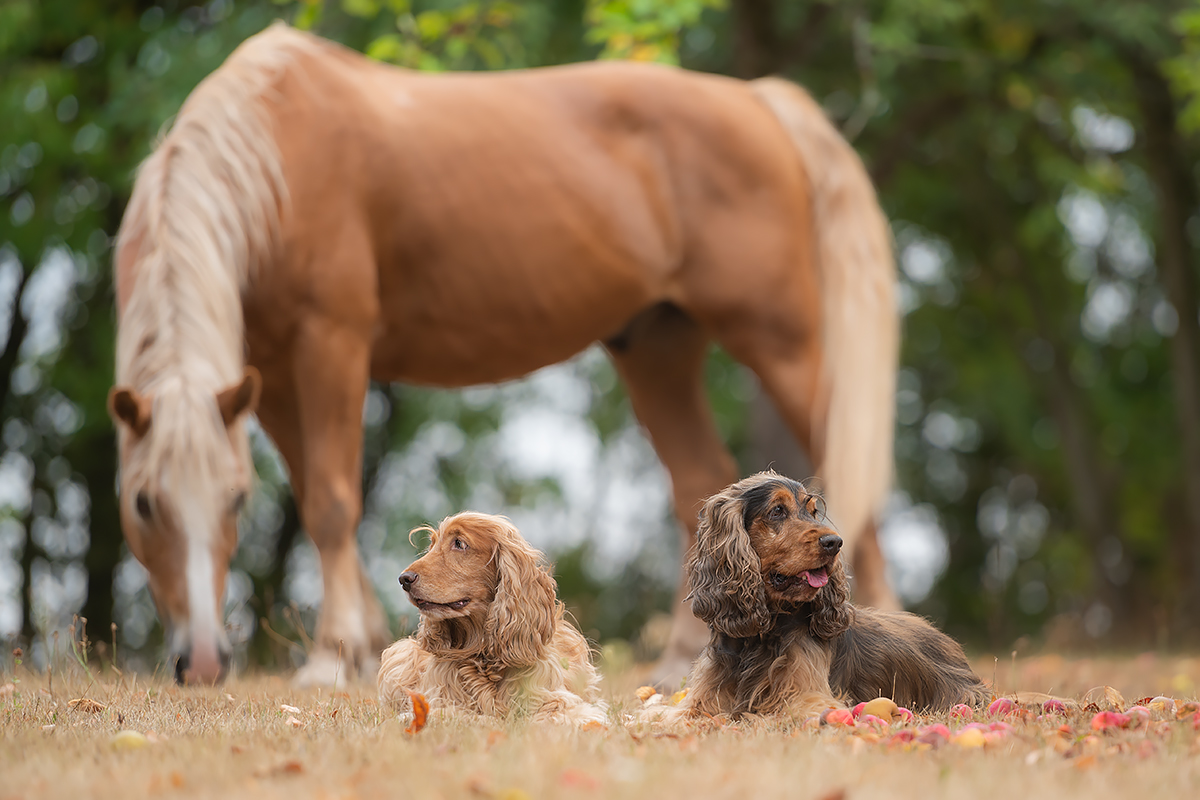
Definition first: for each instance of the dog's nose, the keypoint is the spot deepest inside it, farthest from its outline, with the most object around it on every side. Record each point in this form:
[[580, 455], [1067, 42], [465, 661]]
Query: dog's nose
[[830, 543], [407, 579]]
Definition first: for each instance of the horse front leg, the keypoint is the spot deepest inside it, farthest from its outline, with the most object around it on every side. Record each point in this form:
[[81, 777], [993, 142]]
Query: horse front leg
[[661, 360], [331, 368]]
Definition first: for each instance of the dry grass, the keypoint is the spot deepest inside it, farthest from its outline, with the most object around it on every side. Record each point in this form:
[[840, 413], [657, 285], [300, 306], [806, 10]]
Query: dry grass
[[238, 740]]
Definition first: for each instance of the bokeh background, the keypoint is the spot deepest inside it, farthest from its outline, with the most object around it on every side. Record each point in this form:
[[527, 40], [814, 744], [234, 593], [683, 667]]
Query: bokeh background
[[1037, 159]]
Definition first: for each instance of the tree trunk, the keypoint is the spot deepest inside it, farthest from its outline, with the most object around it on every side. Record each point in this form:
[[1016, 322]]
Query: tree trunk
[[1091, 486], [754, 38], [104, 549], [1171, 171]]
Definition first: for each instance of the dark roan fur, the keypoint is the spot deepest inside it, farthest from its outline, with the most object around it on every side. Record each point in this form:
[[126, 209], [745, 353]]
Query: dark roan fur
[[779, 644]]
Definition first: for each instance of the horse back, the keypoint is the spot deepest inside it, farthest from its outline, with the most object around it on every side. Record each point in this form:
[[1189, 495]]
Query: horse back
[[545, 205]]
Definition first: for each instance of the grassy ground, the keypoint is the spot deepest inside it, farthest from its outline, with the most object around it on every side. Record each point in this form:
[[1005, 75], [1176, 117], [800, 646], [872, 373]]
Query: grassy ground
[[257, 737]]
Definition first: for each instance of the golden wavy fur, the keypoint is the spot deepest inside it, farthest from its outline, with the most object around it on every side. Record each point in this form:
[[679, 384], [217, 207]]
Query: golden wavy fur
[[767, 576], [492, 637]]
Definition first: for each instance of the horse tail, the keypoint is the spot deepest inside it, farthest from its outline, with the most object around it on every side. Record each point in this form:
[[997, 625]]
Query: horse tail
[[861, 323]]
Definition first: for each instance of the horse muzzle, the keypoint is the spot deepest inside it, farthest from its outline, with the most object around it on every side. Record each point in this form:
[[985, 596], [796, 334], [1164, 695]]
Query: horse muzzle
[[196, 667]]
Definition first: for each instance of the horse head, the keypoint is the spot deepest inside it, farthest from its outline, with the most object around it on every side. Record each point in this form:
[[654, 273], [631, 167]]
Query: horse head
[[185, 475]]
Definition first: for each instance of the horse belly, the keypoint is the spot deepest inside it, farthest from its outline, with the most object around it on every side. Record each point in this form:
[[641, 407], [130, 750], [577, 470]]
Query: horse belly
[[498, 336]]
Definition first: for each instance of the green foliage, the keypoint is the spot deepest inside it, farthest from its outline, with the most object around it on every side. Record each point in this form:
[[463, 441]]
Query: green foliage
[[644, 30], [1184, 68]]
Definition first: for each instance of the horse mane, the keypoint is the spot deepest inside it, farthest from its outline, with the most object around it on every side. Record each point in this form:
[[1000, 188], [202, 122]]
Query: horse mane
[[204, 214]]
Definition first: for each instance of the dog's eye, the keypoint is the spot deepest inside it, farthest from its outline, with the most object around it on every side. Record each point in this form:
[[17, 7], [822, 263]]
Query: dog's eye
[[778, 512], [458, 544]]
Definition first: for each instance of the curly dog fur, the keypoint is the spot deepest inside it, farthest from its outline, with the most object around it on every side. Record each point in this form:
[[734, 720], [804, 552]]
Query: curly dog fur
[[492, 637], [767, 577]]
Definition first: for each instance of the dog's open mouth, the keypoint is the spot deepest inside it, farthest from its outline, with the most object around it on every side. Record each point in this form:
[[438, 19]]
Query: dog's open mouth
[[428, 605], [816, 578]]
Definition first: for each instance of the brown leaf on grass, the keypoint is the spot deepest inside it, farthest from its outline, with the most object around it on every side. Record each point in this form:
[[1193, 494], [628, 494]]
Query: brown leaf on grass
[[295, 723], [578, 779], [289, 709], [420, 707], [478, 785], [7, 689], [86, 704], [1105, 696], [1087, 762], [290, 767]]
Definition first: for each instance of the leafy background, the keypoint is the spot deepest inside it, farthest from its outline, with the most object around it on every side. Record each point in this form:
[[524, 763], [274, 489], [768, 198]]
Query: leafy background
[[1037, 160]]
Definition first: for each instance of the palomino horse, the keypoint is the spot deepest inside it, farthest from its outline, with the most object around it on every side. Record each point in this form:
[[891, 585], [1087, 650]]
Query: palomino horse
[[319, 219]]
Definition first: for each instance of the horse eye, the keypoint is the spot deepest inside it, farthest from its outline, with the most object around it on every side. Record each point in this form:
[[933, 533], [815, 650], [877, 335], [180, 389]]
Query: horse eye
[[143, 506], [239, 503]]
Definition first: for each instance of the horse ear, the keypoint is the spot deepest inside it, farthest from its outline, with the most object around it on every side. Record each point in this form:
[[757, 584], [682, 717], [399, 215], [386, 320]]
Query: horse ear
[[724, 571], [241, 398], [127, 406]]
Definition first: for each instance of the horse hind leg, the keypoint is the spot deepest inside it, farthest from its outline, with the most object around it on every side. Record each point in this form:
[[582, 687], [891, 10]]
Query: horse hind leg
[[660, 356]]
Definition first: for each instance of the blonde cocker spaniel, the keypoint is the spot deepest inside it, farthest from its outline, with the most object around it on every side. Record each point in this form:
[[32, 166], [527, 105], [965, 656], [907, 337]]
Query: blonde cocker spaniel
[[767, 577], [492, 637]]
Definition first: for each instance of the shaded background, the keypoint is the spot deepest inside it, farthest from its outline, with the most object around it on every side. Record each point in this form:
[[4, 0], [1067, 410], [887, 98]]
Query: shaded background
[[1038, 163]]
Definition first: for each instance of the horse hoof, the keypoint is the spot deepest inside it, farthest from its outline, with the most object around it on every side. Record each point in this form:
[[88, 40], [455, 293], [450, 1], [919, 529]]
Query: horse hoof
[[323, 668]]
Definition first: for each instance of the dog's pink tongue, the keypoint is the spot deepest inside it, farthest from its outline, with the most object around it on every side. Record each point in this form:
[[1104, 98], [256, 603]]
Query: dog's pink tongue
[[817, 579]]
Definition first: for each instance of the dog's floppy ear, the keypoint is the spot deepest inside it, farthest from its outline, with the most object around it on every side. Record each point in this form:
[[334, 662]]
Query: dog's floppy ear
[[831, 607], [522, 617], [724, 573]]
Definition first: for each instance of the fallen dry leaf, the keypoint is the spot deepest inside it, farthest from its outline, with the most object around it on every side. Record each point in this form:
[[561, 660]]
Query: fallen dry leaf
[[128, 740], [1087, 762], [295, 723], [290, 767], [420, 707], [644, 693], [1104, 696], [86, 704], [289, 709], [578, 779], [7, 689]]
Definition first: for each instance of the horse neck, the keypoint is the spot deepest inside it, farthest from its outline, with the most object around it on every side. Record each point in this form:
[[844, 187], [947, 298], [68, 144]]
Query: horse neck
[[203, 217]]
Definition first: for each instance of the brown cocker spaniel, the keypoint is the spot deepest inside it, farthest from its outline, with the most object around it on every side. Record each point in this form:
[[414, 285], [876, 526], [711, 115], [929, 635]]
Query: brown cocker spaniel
[[766, 576], [492, 637]]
